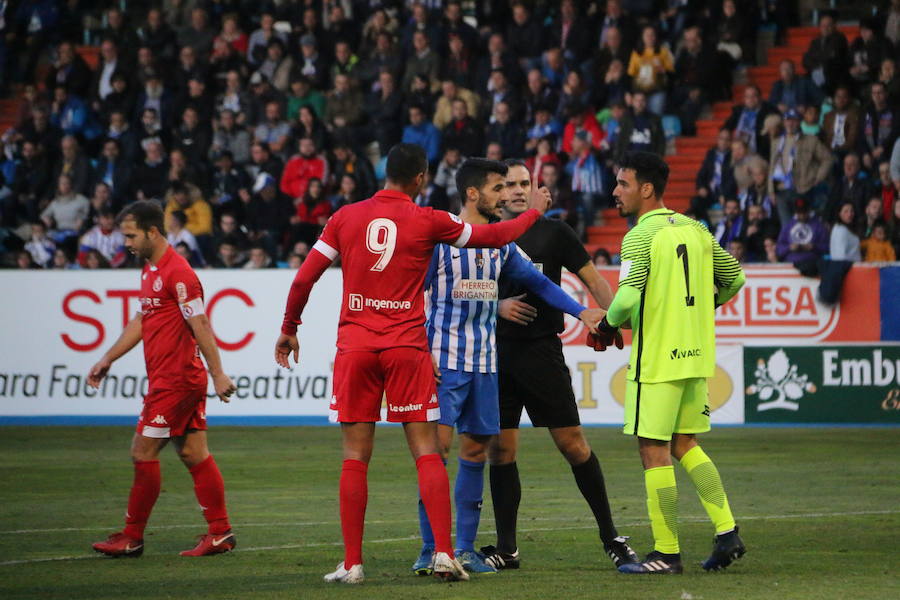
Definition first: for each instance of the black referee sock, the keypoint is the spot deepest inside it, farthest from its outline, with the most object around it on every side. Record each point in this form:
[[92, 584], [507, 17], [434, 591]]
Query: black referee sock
[[506, 492], [589, 478]]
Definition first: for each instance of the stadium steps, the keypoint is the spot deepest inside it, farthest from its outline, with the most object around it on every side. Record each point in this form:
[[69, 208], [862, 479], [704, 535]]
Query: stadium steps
[[8, 109], [690, 151]]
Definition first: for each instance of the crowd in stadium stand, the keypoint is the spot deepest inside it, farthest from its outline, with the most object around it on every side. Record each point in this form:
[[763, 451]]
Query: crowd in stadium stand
[[251, 122]]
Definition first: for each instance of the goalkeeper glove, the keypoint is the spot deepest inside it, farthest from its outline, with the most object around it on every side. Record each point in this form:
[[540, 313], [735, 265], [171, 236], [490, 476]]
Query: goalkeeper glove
[[606, 336]]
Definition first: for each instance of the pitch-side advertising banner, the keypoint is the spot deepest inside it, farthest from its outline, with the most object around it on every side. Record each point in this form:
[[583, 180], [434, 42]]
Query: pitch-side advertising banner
[[855, 383], [55, 325], [777, 305]]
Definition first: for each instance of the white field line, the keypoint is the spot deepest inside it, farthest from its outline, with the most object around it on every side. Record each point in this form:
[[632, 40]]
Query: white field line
[[393, 521], [820, 515]]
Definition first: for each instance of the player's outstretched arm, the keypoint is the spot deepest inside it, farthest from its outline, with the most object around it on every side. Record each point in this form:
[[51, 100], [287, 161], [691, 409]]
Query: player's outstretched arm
[[320, 258], [130, 337], [524, 273], [203, 333]]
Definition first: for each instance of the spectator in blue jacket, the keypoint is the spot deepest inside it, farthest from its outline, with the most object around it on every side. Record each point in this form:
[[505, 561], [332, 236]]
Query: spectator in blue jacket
[[792, 91], [71, 114], [422, 132]]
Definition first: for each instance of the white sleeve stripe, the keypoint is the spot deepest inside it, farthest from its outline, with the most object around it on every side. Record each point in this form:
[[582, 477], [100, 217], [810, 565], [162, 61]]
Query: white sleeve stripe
[[192, 308], [325, 249], [463, 238], [624, 269]]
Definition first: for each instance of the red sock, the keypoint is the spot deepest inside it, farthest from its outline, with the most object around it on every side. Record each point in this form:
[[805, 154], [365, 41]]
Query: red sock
[[144, 492], [434, 489], [210, 491], [354, 496]]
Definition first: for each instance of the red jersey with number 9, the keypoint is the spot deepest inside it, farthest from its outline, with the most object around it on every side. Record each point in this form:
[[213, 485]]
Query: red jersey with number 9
[[170, 294], [385, 244]]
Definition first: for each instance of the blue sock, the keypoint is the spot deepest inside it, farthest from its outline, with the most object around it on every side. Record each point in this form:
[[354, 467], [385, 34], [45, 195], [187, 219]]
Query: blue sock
[[425, 527], [468, 492]]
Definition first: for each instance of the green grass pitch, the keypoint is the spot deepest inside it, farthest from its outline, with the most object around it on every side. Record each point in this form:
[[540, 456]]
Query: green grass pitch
[[818, 509]]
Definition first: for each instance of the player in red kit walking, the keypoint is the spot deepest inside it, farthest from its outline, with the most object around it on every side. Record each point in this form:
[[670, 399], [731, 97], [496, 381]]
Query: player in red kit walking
[[175, 331], [385, 244]]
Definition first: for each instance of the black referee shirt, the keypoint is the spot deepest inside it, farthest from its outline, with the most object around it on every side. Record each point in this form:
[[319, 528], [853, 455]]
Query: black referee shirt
[[551, 245]]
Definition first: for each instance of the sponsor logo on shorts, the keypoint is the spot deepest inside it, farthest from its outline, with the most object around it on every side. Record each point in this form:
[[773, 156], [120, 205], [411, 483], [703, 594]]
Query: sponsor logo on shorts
[[157, 284], [358, 302], [406, 408], [159, 420], [676, 353]]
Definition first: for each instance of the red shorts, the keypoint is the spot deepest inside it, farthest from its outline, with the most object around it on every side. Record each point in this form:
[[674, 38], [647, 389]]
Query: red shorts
[[402, 376], [171, 413]]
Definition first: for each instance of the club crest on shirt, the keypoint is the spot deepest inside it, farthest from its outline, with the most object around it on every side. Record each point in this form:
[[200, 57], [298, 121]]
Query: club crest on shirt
[[479, 262], [181, 291], [157, 284]]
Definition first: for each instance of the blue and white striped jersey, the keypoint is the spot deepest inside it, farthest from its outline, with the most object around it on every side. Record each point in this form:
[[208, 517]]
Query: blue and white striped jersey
[[462, 291]]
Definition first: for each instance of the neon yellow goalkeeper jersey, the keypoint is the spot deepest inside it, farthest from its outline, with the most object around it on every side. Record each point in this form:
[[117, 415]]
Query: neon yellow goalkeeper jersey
[[673, 275]]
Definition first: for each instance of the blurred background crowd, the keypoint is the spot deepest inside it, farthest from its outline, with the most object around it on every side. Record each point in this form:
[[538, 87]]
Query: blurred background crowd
[[251, 122]]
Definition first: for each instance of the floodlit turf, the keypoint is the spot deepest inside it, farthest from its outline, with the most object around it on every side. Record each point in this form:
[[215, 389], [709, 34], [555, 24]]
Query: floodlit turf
[[818, 509]]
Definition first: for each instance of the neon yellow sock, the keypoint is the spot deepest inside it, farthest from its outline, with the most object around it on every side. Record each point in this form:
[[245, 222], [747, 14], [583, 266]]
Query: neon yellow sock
[[706, 479], [662, 506]]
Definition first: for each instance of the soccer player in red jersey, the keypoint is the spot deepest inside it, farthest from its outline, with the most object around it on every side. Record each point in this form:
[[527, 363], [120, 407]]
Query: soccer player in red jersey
[[175, 330], [385, 244]]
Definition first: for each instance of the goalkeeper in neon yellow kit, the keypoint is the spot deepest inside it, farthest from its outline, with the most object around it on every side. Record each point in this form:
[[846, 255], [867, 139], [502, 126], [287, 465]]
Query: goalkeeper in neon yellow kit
[[674, 275]]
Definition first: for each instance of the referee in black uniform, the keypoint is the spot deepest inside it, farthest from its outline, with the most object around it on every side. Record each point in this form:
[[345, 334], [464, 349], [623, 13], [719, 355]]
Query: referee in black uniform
[[533, 375]]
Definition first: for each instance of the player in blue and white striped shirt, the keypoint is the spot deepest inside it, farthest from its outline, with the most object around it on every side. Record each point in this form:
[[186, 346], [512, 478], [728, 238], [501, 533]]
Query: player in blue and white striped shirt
[[462, 291]]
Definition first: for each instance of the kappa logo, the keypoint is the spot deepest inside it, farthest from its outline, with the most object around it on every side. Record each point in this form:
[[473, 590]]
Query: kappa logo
[[779, 376], [159, 420], [676, 354], [157, 284]]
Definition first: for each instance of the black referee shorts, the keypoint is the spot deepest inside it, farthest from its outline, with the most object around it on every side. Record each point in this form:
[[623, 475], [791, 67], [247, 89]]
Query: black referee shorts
[[533, 374]]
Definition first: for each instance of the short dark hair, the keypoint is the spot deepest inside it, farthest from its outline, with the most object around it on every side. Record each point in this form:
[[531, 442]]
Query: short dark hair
[[514, 162], [405, 162], [179, 216], [648, 168], [145, 214], [474, 172]]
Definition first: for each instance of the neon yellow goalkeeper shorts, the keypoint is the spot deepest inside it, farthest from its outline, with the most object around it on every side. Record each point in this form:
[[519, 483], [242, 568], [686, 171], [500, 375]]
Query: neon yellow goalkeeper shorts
[[657, 410]]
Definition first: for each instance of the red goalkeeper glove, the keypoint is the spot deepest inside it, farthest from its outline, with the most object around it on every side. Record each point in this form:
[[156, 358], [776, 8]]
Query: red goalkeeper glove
[[606, 336]]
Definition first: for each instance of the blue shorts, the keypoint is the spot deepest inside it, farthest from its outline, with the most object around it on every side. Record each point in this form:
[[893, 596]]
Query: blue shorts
[[469, 401]]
